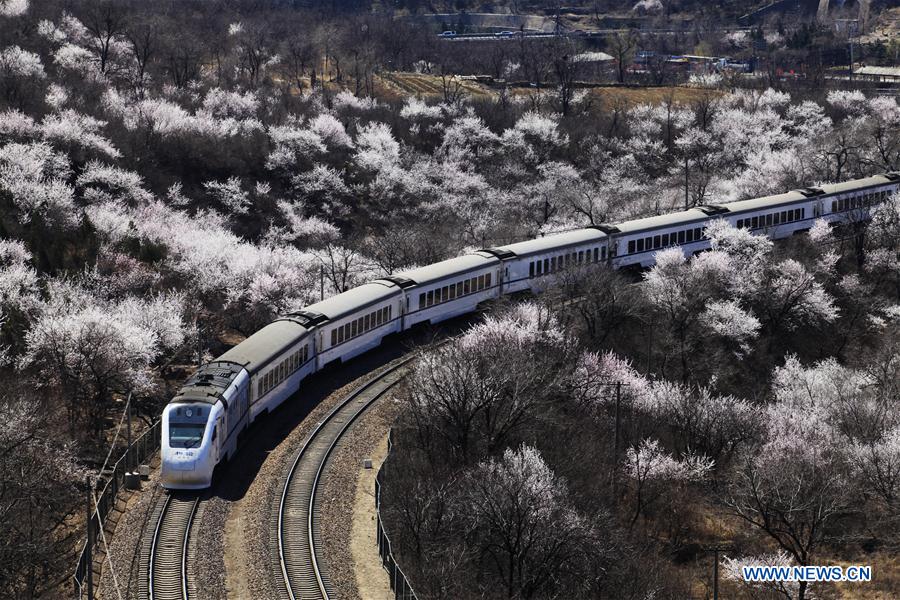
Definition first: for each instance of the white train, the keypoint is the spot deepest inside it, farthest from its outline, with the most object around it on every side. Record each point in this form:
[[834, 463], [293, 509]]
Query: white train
[[201, 424]]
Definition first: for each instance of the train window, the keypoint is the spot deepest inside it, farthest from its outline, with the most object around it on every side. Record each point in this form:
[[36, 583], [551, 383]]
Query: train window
[[640, 245], [353, 329], [334, 337], [802, 213], [466, 286], [698, 234], [453, 292], [347, 331], [552, 264], [834, 206], [429, 298], [754, 222], [603, 252], [681, 236], [656, 241], [689, 235], [665, 240], [546, 265], [389, 312], [282, 370], [445, 293], [259, 388], [480, 282], [630, 246], [487, 280], [459, 289], [365, 325], [422, 300], [531, 269]]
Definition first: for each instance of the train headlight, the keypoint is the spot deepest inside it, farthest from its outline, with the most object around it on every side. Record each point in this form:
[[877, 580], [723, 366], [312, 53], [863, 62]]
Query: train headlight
[[189, 412]]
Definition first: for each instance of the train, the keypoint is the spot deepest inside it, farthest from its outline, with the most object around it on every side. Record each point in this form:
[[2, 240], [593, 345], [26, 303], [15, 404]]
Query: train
[[202, 423]]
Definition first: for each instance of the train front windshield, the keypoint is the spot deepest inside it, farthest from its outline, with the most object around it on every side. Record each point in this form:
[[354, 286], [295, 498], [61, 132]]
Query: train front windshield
[[185, 435]]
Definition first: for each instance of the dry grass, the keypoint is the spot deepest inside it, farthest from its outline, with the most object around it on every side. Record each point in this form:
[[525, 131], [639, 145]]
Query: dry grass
[[651, 95], [398, 85]]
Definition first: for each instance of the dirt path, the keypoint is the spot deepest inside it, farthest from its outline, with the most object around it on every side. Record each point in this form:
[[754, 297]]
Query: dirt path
[[371, 578], [236, 573]]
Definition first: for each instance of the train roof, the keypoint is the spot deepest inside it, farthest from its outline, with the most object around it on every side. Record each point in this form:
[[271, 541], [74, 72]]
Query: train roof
[[208, 383], [449, 268], [660, 221], [264, 345], [848, 186], [554, 242], [355, 299], [768, 201]]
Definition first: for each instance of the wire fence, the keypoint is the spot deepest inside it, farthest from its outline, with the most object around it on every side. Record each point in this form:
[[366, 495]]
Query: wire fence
[[140, 449], [399, 583]]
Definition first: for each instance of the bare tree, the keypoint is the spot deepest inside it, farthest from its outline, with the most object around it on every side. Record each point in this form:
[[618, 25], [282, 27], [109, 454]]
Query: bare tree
[[105, 21], [622, 46], [143, 41]]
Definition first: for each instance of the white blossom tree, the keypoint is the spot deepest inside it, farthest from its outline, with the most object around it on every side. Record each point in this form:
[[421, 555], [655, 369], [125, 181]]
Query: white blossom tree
[[519, 514]]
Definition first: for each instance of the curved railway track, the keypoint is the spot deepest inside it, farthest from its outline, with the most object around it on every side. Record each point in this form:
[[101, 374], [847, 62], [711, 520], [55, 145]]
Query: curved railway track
[[167, 571], [297, 527]]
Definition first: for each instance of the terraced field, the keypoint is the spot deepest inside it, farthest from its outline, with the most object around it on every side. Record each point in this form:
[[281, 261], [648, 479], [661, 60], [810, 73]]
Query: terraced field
[[420, 84]]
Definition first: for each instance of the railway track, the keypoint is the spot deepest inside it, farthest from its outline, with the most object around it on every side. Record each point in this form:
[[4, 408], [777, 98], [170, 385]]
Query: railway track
[[167, 566], [297, 527]]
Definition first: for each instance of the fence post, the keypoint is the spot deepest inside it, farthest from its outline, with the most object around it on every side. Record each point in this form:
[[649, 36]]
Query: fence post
[[128, 429]]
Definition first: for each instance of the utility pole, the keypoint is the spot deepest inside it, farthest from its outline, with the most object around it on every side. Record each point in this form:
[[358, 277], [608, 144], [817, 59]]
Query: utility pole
[[89, 560], [686, 188], [199, 344], [616, 439], [321, 282], [716, 576]]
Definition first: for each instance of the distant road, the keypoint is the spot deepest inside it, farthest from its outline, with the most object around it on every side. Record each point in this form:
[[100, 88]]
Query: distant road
[[516, 35]]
